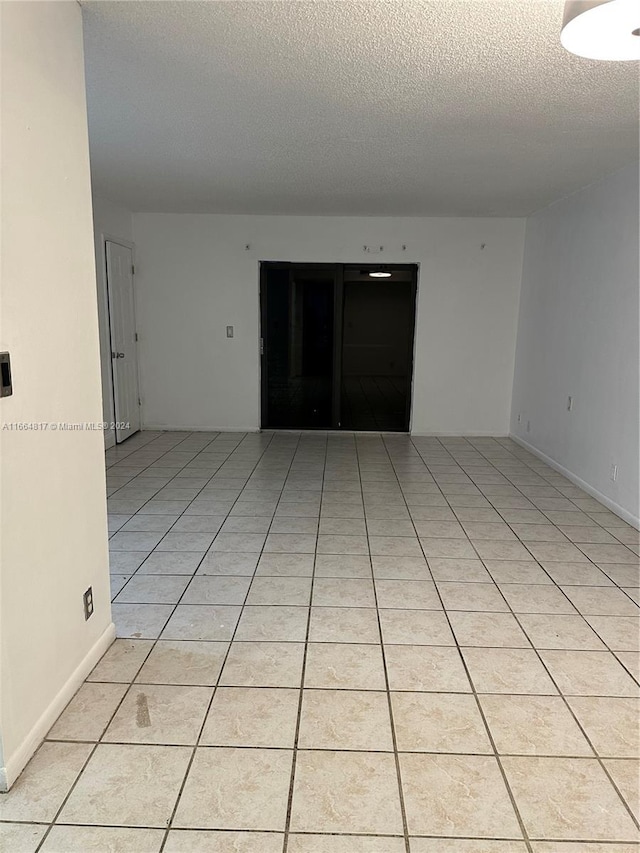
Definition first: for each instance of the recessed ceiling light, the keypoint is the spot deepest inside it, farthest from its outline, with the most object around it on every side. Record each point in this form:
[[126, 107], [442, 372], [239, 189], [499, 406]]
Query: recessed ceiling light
[[380, 274], [602, 29]]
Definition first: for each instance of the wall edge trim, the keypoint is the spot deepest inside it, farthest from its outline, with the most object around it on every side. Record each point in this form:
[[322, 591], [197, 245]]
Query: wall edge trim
[[477, 433], [620, 511], [181, 428], [21, 756]]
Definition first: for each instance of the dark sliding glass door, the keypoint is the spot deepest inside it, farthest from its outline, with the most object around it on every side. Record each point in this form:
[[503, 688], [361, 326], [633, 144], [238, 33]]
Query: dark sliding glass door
[[337, 346], [377, 350], [298, 323]]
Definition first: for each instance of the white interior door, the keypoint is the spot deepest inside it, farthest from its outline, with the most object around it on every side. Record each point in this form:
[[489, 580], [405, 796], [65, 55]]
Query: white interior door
[[122, 323]]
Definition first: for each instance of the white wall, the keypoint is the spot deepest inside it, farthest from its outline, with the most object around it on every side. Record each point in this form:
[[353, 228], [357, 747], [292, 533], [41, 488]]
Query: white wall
[[53, 540], [578, 336], [110, 222], [195, 277]]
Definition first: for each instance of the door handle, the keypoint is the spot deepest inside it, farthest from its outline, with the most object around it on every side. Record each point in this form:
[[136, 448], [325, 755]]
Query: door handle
[[117, 355]]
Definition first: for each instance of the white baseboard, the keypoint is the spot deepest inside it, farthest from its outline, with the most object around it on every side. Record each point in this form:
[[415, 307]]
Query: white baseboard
[[457, 434], [18, 761], [181, 428], [478, 433], [624, 514]]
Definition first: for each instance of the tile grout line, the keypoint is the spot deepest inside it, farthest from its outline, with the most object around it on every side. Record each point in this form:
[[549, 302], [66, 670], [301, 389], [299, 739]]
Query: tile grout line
[[296, 736], [403, 810], [220, 675], [567, 705], [576, 757], [488, 732], [497, 754], [482, 838]]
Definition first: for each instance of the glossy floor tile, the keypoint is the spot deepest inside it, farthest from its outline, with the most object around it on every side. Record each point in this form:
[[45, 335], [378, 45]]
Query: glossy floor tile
[[338, 643]]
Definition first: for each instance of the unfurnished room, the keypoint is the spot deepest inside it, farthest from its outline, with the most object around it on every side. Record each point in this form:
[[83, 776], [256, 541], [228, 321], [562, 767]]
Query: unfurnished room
[[319, 426]]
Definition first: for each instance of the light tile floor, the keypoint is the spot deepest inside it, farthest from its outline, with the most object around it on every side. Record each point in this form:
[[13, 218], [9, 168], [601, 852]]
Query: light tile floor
[[349, 644]]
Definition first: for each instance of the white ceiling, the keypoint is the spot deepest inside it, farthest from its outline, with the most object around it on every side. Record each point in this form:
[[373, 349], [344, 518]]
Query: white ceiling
[[445, 108]]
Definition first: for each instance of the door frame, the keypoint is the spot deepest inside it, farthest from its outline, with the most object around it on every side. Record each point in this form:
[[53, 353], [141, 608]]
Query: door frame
[[338, 320], [339, 273], [262, 350], [127, 244]]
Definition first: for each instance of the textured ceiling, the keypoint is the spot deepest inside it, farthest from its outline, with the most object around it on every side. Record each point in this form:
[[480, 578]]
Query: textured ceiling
[[445, 108]]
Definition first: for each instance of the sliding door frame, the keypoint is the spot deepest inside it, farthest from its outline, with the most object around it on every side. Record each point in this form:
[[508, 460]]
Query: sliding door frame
[[264, 343], [338, 311], [412, 344], [338, 270]]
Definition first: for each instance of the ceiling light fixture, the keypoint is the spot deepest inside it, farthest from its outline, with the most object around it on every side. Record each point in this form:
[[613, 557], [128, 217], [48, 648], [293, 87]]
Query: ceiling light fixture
[[380, 274], [602, 29]]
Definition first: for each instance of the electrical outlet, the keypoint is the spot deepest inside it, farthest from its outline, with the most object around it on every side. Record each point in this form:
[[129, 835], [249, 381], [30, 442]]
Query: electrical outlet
[[569, 403], [87, 599], [519, 417], [229, 331], [528, 426], [613, 474]]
